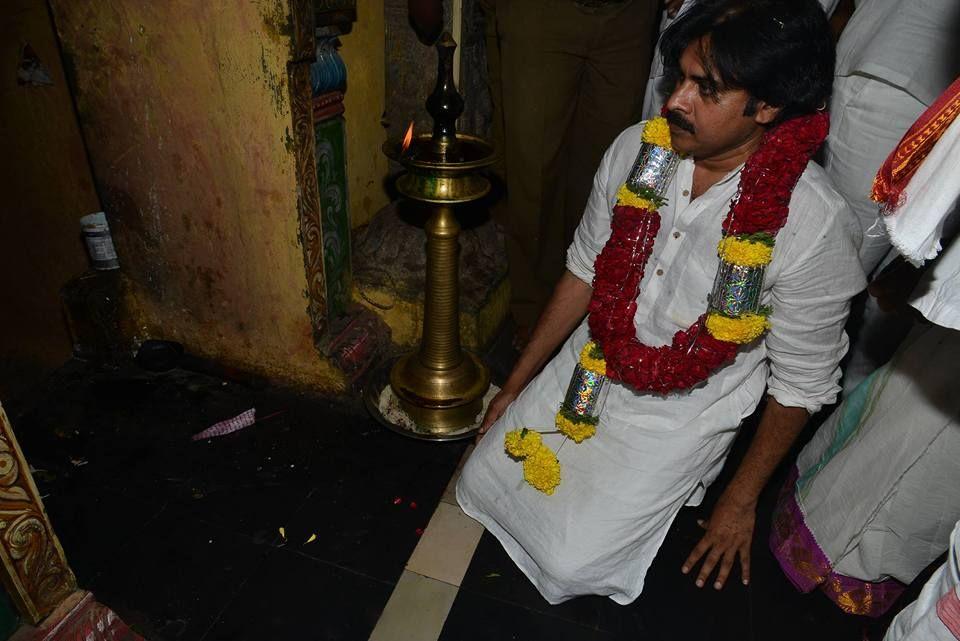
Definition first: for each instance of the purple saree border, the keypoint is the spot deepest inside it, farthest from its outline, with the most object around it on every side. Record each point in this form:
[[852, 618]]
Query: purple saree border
[[807, 567]]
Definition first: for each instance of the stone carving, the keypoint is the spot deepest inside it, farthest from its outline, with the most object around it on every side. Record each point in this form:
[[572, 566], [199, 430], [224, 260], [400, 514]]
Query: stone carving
[[35, 570], [308, 196]]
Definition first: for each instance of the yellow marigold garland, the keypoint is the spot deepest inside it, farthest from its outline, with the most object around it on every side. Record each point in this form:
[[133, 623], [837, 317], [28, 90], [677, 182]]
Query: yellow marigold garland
[[743, 252], [542, 470], [740, 330], [630, 199], [591, 358], [657, 132], [521, 443], [577, 430]]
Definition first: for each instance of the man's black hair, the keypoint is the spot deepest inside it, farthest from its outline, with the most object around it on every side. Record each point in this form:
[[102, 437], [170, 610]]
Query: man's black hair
[[779, 51]]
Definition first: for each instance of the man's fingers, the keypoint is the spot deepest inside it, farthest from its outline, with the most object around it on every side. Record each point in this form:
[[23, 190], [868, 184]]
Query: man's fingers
[[484, 426], [493, 413], [725, 565], [698, 552], [745, 562], [708, 564]]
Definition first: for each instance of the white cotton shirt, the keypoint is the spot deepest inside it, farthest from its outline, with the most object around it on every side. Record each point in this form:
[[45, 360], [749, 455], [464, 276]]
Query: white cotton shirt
[[621, 489], [910, 44]]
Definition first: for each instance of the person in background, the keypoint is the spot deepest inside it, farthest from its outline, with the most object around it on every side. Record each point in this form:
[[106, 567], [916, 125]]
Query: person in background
[[894, 57], [874, 494], [566, 77]]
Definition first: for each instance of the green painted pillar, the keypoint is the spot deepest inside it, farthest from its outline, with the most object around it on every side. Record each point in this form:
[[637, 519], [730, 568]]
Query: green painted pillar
[[329, 77]]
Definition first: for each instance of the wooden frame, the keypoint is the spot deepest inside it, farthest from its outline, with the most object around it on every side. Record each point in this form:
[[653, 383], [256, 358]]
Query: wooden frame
[[35, 570]]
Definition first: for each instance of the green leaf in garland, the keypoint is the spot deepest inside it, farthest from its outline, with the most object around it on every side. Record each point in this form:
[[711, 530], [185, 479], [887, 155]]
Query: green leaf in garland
[[760, 237], [573, 417]]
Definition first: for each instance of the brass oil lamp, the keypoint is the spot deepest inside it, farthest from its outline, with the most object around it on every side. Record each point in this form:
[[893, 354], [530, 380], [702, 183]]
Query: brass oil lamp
[[440, 385]]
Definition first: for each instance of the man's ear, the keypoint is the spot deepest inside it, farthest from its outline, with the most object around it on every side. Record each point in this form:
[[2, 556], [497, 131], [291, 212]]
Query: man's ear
[[765, 114]]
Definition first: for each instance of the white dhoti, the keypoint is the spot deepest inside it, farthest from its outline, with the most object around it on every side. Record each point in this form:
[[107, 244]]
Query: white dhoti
[[620, 490]]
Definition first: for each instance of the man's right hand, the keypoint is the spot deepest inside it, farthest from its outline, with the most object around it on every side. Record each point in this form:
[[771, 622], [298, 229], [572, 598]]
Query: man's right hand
[[498, 405], [564, 311]]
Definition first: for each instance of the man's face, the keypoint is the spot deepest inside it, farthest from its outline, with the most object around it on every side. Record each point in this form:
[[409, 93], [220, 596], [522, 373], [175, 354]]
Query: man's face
[[706, 120]]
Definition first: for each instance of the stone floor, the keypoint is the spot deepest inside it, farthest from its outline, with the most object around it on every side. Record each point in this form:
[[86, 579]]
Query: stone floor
[[183, 538]]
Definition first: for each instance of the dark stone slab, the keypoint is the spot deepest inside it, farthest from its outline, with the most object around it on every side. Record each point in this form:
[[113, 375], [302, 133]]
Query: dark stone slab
[[475, 617], [296, 598], [172, 581], [171, 532]]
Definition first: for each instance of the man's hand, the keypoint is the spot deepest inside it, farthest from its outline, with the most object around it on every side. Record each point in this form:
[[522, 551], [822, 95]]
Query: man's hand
[[730, 528], [565, 309], [498, 405], [729, 533]]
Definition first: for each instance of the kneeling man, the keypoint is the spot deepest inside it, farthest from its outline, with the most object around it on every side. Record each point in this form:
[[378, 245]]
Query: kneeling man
[[716, 264]]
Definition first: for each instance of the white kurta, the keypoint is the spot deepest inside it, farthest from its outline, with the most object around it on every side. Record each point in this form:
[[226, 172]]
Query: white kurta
[[621, 489]]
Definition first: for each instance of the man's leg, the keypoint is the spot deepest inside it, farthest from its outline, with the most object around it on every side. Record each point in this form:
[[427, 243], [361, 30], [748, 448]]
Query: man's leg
[[539, 80], [610, 97]]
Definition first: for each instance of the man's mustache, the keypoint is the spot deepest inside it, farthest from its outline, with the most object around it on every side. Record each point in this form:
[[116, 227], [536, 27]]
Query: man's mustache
[[674, 118]]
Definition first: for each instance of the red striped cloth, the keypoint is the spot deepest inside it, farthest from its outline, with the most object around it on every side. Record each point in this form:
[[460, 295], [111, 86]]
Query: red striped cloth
[[903, 161], [948, 609]]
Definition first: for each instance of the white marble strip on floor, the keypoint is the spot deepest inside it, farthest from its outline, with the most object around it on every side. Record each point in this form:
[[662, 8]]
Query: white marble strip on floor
[[416, 611], [421, 600], [447, 545]]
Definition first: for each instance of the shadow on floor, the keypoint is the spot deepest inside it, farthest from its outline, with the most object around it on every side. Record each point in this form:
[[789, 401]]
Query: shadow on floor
[[183, 539]]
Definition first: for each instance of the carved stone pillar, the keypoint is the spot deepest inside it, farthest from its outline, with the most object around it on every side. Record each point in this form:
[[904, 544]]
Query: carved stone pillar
[[35, 570]]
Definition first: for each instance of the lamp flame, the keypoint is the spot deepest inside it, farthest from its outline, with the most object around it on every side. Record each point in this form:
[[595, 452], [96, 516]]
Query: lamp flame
[[407, 139]]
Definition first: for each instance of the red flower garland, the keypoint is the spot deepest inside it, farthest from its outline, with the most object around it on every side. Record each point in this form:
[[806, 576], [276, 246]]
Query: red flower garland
[[766, 185]]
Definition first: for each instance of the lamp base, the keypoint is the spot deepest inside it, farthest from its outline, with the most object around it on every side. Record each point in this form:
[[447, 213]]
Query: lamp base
[[440, 400], [385, 406]]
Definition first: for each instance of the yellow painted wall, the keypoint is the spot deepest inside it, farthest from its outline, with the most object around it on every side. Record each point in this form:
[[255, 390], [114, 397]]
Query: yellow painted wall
[[363, 53], [187, 117], [46, 187]]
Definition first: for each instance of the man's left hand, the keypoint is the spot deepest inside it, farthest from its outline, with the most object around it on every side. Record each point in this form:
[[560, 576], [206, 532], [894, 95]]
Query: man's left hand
[[729, 533]]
